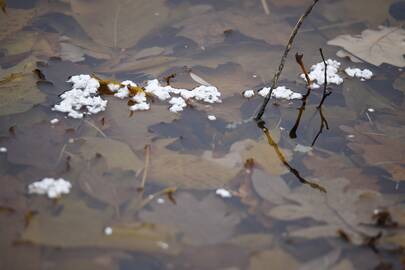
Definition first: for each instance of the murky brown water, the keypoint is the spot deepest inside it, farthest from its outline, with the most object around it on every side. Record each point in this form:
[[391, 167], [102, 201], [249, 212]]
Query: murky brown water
[[311, 189]]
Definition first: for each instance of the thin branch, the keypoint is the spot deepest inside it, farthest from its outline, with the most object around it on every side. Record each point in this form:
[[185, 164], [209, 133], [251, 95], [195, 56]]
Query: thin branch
[[95, 127], [145, 168], [284, 160], [265, 7], [324, 123], [283, 58], [293, 131], [325, 84], [326, 93]]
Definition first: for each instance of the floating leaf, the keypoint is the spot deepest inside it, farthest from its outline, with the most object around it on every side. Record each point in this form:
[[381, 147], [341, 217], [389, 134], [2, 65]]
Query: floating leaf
[[200, 222], [385, 45]]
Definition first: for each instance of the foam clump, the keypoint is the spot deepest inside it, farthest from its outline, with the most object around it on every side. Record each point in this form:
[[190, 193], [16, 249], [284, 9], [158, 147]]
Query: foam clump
[[51, 187]]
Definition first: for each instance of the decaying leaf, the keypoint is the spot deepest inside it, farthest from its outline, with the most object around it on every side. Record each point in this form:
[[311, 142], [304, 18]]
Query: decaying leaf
[[211, 27], [336, 209], [200, 221], [381, 149], [38, 145], [18, 89], [276, 259], [328, 164], [117, 155], [114, 186], [187, 171], [270, 187], [385, 45], [119, 24], [61, 231]]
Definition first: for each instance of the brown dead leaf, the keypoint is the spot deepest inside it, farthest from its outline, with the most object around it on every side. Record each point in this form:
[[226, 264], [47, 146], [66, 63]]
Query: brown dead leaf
[[327, 164], [385, 45], [58, 231], [211, 27], [213, 218], [276, 259], [18, 89], [339, 208], [171, 168], [379, 149], [119, 24], [113, 187]]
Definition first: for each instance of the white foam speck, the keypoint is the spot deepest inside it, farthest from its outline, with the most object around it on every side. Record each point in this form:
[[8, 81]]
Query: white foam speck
[[223, 193], [108, 231], [248, 93], [212, 117], [54, 121]]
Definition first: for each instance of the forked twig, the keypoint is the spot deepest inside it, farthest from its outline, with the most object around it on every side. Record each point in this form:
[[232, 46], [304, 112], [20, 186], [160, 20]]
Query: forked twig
[[325, 85], [326, 93], [283, 58], [293, 131]]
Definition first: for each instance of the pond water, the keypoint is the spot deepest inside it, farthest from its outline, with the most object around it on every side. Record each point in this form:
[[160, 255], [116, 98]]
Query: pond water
[[312, 186]]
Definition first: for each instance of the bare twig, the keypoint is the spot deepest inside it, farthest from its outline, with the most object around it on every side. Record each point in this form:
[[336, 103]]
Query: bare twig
[[324, 123], [293, 131], [265, 7], [325, 85], [145, 168], [326, 93], [95, 127], [283, 58]]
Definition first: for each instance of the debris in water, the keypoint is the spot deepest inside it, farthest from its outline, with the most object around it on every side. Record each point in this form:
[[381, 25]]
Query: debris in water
[[108, 231], [248, 93], [212, 117], [223, 193], [54, 121], [364, 74], [54, 188]]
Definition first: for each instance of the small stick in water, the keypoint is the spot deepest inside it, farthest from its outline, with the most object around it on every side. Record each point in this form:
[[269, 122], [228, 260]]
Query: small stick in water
[[283, 58], [145, 168]]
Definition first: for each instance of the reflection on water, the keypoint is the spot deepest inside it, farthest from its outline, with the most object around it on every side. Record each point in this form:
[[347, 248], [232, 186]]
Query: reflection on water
[[144, 185]]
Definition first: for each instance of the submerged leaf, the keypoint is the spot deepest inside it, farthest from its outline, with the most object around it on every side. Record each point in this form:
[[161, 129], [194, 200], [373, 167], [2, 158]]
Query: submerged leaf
[[188, 171], [200, 222], [385, 45], [18, 89], [117, 155], [114, 186], [81, 226], [119, 24], [336, 210], [275, 259]]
